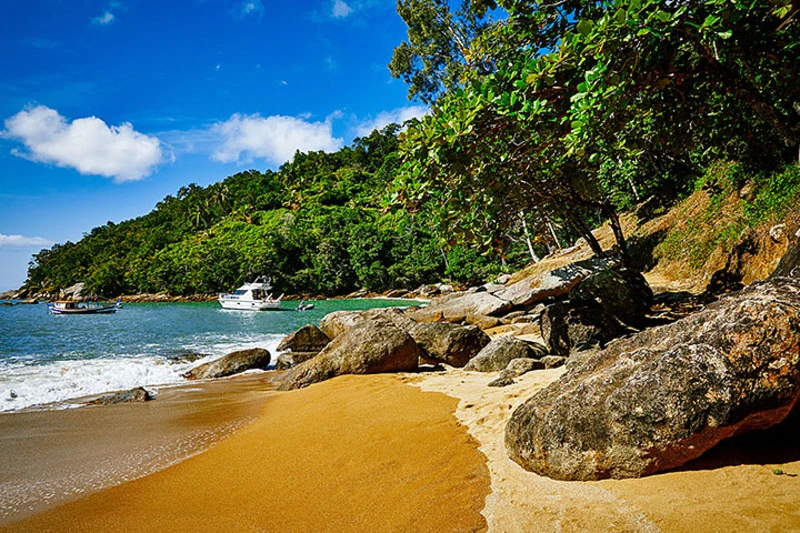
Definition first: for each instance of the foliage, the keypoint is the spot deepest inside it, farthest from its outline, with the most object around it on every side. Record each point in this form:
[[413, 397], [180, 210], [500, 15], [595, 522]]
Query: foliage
[[438, 56], [591, 105], [315, 226], [719, 221]]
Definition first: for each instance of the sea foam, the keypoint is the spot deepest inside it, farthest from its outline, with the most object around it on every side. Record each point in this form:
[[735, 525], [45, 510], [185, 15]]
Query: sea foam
[[26, 383]]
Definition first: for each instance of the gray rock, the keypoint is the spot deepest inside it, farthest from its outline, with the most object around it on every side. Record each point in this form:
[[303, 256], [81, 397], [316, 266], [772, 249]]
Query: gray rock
[[290, 359], [568, 326], [500, 351], [599, 309], [448, 343], [184, 358], [309, 338], [73, 292], [370, 347], [233, 363], [138, 394], [555, 283], [502, 279], [658, 399], [778, 233], [336, 323], [484, 322], [456, 307], [502, 380], [518, 367], [493, 288], [789, 266], [621, 292], [553, 361]]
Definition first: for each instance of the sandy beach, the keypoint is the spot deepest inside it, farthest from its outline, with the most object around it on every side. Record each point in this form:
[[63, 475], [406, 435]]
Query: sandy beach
[[358, 453], [731, 488], [412, 452]]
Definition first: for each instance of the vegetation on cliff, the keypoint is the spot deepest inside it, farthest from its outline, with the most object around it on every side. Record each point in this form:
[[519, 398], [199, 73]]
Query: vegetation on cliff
[[316, 226], [546, 119]]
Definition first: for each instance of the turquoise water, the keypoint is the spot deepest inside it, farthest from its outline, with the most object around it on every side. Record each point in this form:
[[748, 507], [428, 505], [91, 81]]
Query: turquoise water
[[51, 358]]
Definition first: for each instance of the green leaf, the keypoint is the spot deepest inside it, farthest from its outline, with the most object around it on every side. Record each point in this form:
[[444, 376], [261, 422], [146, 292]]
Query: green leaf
[[663, 16], [585, 27]]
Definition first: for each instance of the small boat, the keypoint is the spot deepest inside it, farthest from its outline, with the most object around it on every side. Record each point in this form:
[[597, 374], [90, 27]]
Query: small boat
[[63, 307], [305, 306], [253, 296]]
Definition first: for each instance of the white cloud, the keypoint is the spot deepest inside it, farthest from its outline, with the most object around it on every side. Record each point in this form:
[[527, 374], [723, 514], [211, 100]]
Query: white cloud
[[397, 116], [105, 19], [86, 144], [19, 240], [340, 9], [275, 138], [249, 7]]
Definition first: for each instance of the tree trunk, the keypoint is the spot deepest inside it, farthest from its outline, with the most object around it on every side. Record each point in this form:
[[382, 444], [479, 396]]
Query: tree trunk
[[586, 233], [552, 232], [528, 238], [613, 219], [789, 266]]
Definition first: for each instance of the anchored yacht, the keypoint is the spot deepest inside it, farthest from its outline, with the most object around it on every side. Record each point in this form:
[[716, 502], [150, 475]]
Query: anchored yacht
[[253, 296]]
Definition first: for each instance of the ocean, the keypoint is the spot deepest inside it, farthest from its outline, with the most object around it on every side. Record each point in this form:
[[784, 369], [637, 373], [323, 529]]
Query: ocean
[[47, 359]]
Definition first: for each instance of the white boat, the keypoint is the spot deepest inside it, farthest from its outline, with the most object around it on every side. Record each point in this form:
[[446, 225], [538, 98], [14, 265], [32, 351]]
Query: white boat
[[83, 308], [253, 296]]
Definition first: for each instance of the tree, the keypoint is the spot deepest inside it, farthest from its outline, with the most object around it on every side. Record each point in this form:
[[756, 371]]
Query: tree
[[583, 89], [438, 56]]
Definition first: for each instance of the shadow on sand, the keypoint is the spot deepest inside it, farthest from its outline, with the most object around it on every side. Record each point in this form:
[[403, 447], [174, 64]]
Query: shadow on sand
[[776, 445]]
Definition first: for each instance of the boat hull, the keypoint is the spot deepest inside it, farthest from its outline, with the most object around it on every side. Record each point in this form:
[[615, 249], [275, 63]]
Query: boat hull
[[250, 305], [86, 311]]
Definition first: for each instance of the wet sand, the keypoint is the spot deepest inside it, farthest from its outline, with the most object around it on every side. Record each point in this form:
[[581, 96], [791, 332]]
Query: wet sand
[[50, 457], [414, 452], [357, 453]]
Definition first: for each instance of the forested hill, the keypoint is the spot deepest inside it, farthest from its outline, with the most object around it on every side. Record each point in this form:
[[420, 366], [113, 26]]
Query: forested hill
[[317, 225], [545, 120]]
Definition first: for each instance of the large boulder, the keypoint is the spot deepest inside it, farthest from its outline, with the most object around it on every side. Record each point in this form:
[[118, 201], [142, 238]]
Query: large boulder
[[448, 343], [456, 307], [660, 398], [599, 308], [498, 353], [336, 323], [233, 363], [288, 360], [73, 292], [556, 283], [309, 338], [568, 326], [622, 292], [370, 347]]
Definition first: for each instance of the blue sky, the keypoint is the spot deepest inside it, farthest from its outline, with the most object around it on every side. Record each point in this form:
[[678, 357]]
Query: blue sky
[[106, 107]]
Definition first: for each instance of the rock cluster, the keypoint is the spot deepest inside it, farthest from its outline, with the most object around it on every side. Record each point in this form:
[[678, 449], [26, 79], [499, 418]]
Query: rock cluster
[[369, 347], [655, 400], [475, 329]]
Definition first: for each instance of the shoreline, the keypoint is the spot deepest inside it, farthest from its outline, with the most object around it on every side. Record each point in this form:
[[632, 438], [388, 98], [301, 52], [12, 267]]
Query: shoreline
[[51, 457], [350, 454], [412, 452], [202, 298]]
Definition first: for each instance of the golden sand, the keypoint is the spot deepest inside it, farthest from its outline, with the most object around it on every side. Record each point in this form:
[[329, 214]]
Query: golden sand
[[372, 454], [731, 489], [358, 453]]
